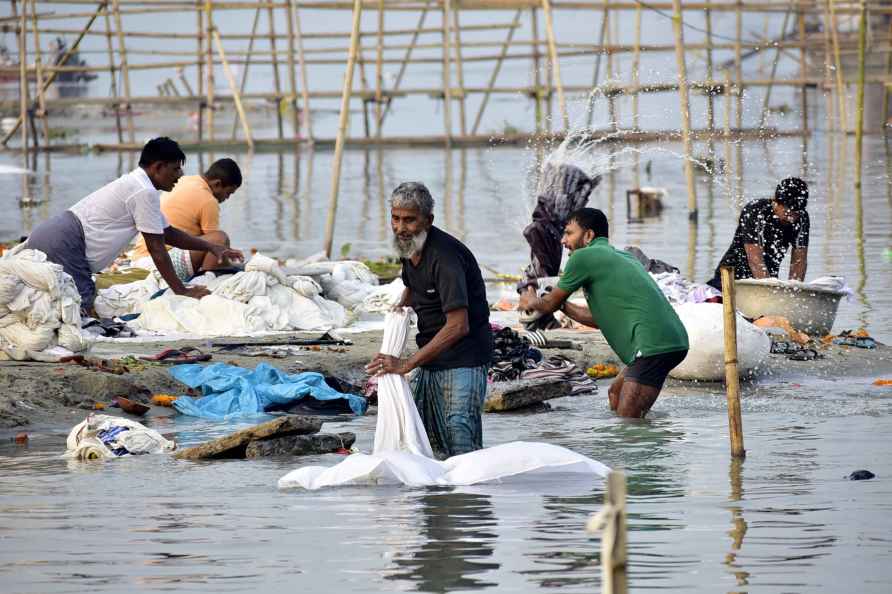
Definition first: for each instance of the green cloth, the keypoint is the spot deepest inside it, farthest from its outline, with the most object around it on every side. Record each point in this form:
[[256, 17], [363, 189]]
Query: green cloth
[[626, 303]]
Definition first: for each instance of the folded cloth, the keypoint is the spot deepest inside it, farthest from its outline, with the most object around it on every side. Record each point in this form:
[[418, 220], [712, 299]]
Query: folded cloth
[[231, 391]]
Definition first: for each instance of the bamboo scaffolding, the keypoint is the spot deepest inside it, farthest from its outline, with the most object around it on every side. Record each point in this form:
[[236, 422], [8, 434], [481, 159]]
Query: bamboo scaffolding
[[21, 40], [38, 64], [405, 61], [447, 72], [677, 25], [555, 63], [459, 71], [244, 81], [112, 71], [495, 74], [233, 87], [379, 69], [209, 69], [774, 63], [292, 75], [304, 79], [537, 73], [859, 100]]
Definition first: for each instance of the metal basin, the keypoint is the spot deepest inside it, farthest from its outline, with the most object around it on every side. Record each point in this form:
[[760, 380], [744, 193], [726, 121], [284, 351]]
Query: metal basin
[[810, 309]]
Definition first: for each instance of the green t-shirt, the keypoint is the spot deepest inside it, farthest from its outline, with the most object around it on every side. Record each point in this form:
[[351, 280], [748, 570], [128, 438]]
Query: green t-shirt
[[626, 304]]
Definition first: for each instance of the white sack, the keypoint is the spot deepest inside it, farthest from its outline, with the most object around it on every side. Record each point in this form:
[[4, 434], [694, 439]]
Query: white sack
[[137, 439], [403, 454], [704, 323]]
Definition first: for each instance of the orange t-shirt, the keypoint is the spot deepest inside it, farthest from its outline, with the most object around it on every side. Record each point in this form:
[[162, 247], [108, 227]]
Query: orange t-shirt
[[190, 207]]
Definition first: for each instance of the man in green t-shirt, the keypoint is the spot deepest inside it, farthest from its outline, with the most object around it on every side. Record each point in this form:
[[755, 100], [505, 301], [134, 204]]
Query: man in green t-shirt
[[627, 306]]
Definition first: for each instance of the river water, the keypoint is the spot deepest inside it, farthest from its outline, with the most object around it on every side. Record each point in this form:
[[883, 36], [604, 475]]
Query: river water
[[783, 521]]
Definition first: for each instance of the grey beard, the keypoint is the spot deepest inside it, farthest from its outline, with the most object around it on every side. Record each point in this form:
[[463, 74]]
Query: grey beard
[[407, 249]]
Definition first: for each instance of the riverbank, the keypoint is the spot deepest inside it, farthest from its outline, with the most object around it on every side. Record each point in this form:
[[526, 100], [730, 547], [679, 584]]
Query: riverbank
[[54, 394]]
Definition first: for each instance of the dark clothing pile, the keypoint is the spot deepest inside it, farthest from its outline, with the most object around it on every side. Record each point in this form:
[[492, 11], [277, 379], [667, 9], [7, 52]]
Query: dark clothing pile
[[759, 226], [562, 189], [448, 278], [512, 355]]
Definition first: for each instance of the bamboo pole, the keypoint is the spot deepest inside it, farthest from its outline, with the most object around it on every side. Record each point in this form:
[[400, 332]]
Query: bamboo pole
[[112, 71], [200, 38], [366, 96], [555, 64], [677, 25], [304, 79], [54, 73], [408, 56], [379, 69], [209, 71], [859, 100], [495, 73], [611, 98], [710, 74], [611, 522], [21, 33], [342, 129], [636, 65], [277, 82], [233, 88], [41, 96], [738, 62], [460, 71], [292, 78], [602, 47], [888, 73], [447, 73], [537, 73], [774, 63], [732, 380], [840, 85], [244, 81], [803, 71]]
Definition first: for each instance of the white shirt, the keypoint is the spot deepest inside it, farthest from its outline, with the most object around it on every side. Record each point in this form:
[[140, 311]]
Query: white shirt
[[113, 215]]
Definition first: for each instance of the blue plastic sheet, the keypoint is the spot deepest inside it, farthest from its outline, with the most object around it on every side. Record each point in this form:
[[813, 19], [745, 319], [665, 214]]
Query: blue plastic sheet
[[231, 391]]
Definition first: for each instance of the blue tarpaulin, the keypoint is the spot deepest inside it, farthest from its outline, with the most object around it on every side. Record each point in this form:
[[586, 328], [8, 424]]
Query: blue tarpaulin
[[231, 391]]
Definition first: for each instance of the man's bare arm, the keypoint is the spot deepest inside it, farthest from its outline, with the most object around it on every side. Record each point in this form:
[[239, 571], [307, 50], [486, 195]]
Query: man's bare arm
[[756, 259], [798, 263], [579, 313]]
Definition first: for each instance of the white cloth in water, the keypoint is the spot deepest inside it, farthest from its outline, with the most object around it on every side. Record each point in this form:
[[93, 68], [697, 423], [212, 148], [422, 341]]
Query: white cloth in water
[[704, 323], [84, 441], [244, 303], [834, 283], [402, 451], [39, 307]]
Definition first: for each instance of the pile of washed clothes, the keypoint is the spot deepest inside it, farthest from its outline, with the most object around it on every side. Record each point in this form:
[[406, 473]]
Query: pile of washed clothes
[[312, 294], [39, 309], [103, 436]]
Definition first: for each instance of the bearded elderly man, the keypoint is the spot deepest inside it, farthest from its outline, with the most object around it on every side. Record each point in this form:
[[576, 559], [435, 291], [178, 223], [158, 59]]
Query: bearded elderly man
[[445, 288]]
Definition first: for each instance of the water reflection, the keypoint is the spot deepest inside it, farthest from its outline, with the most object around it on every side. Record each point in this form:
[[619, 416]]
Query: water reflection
[[459, 537], [738, 523]]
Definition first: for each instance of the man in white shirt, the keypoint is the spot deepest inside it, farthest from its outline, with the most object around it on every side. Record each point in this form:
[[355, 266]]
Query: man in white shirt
[[89, 236]]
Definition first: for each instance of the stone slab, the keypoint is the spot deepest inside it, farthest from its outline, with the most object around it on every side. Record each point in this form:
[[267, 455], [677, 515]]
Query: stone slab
[[235, 444], [300, 445], [518, 394]]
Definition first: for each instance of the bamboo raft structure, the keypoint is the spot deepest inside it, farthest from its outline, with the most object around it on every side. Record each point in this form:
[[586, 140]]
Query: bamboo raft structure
[[529, 33]]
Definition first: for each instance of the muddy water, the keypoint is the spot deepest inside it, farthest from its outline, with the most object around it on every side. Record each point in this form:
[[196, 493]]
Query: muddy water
[[784, 521]]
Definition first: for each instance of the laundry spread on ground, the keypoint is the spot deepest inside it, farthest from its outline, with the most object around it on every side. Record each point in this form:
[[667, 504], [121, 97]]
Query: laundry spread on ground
[[105, 436], [40, 315], [403, 455], [231, 391]]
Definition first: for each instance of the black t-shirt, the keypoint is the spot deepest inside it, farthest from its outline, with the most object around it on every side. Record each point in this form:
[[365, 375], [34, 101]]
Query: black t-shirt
[[759, 226], [448, 278]]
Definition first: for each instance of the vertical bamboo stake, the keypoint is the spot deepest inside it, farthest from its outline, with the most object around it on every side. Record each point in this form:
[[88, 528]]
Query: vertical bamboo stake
[[591, 103], [685, 108], [537, 74], [233, 87], [611, 522], [710, 74], [888, 72], [379, 68], [732, 380], [342, 128], [859, 102], [209, 20], [636, 65], [244, 80], [459, 72], [304, 79], [199, 62], [292, 80], [405, 61], [611, 99], [38, 63], [803, 72], [125, 70], [447, 73], [498, 67], [555, 63], [270, 15], [112, 72], [840, 85], [738, 62], [23, 91]]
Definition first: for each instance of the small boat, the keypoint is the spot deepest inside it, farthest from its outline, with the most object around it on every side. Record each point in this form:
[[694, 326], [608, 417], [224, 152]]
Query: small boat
[[809, 308]]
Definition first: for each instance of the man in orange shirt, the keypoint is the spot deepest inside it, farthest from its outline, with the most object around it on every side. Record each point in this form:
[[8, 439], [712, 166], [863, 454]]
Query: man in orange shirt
[[194, 207]]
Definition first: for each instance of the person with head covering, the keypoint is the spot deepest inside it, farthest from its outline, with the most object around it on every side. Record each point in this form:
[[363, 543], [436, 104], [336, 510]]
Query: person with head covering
[[767, 228]]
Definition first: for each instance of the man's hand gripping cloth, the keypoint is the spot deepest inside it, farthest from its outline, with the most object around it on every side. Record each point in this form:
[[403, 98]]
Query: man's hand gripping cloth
[[403, 454]]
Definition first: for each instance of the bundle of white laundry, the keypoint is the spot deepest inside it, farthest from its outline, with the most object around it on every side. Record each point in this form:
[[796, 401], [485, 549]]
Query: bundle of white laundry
[[105, 436], [348, 282], [260, 298], [402, 452], [40, 316]]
